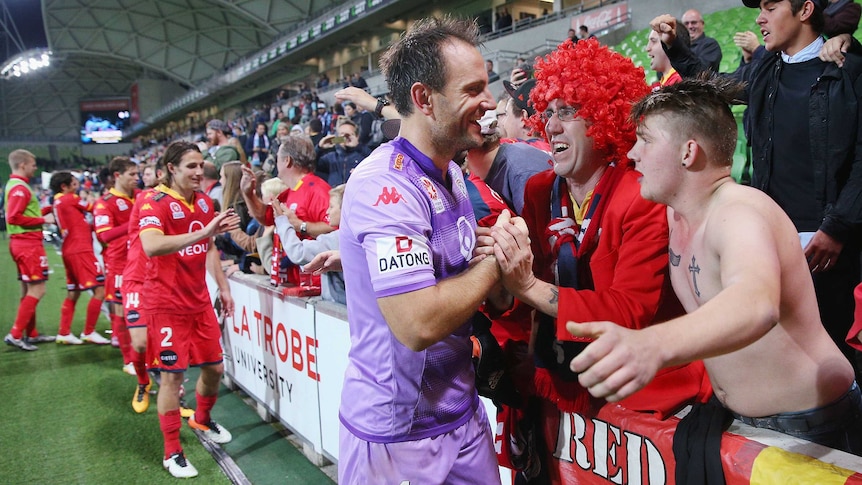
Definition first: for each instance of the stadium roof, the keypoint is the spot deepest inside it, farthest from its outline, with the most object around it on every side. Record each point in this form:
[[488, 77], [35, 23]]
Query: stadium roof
[[101, 47]]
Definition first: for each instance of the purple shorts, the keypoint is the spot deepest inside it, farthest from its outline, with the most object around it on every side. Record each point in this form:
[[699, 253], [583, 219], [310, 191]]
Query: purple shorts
[[464, 455]]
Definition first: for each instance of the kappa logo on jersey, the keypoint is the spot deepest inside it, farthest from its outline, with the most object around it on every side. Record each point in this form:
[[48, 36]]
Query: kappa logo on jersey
[[203, 205], [168, 357], [399, 162], [102, 220], [122, 205], [177, 211], [146, 206], [150, 221], [431, 190], [401, 253], [389, 196], [197, 248]]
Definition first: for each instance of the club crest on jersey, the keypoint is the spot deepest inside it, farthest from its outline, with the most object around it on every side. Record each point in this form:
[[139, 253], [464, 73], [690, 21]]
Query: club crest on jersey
[[431, 190], [133, 316], [121, 204], [399, 162], [203, 205], [459, 182], [177, 211], [397, 254]]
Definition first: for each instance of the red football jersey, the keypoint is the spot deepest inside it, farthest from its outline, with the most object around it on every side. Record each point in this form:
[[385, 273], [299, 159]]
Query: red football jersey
[[112, 211], [176, 282], [70, 210], [136, 258], [309, 199]]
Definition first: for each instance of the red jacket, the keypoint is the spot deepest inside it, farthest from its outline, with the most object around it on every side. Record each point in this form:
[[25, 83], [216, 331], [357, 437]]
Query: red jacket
[[631, 281]]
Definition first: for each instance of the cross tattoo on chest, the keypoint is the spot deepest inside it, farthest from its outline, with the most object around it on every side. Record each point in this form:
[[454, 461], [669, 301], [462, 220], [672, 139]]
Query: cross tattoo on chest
[[694, 269]]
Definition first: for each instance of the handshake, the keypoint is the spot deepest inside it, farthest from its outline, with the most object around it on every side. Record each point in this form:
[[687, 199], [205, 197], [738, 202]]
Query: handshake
[[508, 242]]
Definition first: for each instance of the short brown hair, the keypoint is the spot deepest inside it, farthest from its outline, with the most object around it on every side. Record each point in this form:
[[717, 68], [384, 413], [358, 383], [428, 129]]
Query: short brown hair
[[697, 107]]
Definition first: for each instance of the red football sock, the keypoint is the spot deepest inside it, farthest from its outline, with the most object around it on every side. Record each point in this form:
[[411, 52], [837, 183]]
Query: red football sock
[[31, 326], [171, 422], [118, 323], [138, 358], [26, 312], [204, 405], [93, 310], [67, 311]]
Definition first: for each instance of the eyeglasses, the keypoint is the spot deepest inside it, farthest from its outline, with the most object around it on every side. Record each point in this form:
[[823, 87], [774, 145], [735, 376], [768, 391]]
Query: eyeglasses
[[566, 113]]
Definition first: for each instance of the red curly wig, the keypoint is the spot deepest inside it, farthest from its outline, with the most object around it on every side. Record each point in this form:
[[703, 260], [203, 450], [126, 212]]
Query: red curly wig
[[600, 83]]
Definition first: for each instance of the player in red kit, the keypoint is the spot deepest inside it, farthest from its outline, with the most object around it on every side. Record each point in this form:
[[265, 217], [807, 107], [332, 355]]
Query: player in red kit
[[24, 221], [83, 270], [112, 214], [177, 226]]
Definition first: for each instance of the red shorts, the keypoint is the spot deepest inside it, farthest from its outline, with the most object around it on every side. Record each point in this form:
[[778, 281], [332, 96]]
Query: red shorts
[[114, 287], [132, 304], [176, 341], [83, 272], [31, 260]]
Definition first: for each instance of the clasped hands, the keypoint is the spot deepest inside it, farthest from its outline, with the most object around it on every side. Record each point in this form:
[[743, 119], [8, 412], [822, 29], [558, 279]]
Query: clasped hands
[[508, 241]]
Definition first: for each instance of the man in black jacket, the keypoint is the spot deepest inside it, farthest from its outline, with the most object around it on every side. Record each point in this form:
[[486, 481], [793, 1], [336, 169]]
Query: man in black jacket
[[804, 127]]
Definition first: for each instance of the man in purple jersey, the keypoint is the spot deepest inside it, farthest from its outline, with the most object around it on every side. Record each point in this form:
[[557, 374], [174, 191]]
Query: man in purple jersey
[[410, 412]]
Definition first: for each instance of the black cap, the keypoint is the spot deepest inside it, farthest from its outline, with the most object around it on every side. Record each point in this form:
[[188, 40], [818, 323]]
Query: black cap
[[521, 94], [756, 3]]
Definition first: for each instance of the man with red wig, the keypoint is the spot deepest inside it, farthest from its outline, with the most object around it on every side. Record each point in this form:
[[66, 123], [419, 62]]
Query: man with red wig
[[595, 247]]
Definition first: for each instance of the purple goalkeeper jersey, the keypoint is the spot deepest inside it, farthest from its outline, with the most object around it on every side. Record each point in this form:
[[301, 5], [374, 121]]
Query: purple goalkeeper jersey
[[403, 228]]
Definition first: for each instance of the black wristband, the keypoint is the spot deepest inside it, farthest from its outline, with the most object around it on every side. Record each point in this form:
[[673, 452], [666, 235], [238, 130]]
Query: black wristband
[[381, 102]]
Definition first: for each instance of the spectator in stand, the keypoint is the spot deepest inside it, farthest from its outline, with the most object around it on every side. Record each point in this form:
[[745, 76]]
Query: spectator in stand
[[301, 251], [595, 246], [705, 48], [841, 17], [807, 160], [307, 196], [25, 218], [322, 81], [236, 243], [572, 35], [342, 153], [584, 33], [489, 66], [518, 110], [506, 167], [258, 145], [314, 130], [220, 150], [358, 81], [659, 62], [239, 133], [325, 117], [361, 118], [504, 20], [211, 185]]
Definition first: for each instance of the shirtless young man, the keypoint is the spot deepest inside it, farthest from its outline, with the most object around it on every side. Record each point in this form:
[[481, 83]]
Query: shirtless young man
[[739, 270]]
